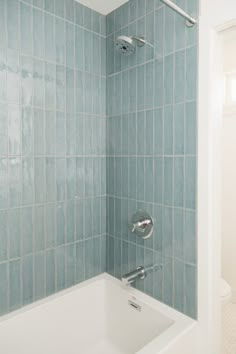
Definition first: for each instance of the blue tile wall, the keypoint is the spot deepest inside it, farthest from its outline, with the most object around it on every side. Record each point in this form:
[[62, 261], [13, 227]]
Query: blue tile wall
[[151, 149], [87, 135], [52, 148]]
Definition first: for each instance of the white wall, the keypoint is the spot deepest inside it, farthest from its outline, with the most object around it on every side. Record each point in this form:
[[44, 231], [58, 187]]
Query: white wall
[[229, 174], [214, 14]]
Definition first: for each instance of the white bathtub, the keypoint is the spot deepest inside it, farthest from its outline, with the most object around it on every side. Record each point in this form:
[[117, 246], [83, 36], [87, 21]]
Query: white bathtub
[[99, 316]]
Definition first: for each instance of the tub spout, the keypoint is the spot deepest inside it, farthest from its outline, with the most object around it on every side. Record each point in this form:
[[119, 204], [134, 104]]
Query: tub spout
[[131, 277]]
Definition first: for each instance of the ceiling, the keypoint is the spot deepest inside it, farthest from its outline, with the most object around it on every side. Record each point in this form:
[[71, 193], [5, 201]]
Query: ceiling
[[103, 6]]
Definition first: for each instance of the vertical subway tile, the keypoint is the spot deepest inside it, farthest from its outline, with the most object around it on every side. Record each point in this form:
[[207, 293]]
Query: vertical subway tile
[[3, 20], [190, 307], [27, 130], [168, 80], [158, 186], [60, 179], [69, 91], [191, 73], [179, 181], [169, 30], [3, 74], [3, 235], [190, 128], [190, 237], [60, 8], [60, 88], [14, 285], [71, 177], [27, 283], [180, 31], [168, 130], [168, 231], [39, 84], [179, 285], [50, 179], [3, 288], [26, 37], [179, 76], [49, 5], [190, 182], [158, 95], [70, 44], [79, 44], [159, 29], [60, 134], [80, 265], [179, 129], [15, 180], [50, 84], [60, 268], [50, 133], [14, 130], [13, 23], [158, 131], [50, 225], [39, 275], [60, 222], [26, 81], [71, 139], [60, 39], [69, 10], [50, 272], [168, 282], [39, 228], [38, 33], [13, 77], [27, 230], [49, 32], [70, 264], [168, 180], [4, 185], [39, 132], [39, 180], [70, 232], [178, 233]]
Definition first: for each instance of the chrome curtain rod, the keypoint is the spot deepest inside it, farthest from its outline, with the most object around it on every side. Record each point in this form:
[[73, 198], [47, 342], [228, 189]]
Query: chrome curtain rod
[[190, 20]]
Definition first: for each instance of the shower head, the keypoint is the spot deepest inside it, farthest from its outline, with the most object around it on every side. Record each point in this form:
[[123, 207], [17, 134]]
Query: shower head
[[127, 45]]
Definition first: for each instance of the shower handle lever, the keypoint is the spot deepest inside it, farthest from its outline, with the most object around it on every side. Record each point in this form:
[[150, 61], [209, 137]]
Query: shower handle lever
[[141, 225]]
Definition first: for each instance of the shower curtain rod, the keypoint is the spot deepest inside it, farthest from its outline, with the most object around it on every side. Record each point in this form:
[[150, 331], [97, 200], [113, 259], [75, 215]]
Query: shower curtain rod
[[190, 20]]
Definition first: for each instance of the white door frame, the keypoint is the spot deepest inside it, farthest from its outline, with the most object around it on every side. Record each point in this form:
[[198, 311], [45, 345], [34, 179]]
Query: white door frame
[[215, 16]]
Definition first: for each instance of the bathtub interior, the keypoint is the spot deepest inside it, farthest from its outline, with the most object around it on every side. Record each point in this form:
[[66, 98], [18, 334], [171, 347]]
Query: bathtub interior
[[95, 318], [128, 326]]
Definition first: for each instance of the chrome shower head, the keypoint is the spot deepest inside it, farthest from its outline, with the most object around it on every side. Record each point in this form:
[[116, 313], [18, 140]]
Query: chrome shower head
[[127, 45]]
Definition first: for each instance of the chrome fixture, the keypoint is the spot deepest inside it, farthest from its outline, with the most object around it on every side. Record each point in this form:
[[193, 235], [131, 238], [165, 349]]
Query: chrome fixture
[[136, 274], [134, 305], [142, 224], [191, 21], [127, 45]]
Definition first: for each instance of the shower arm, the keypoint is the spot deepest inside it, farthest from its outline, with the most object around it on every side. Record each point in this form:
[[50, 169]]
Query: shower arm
[[190, 20], [140, 40]]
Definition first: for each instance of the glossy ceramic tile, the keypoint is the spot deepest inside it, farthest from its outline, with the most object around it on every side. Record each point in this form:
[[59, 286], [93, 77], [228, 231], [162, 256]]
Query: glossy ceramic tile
[[151, 147], [44, 129]]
